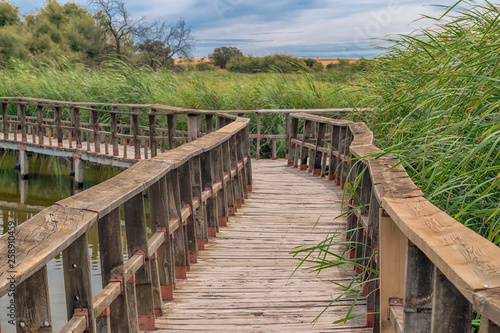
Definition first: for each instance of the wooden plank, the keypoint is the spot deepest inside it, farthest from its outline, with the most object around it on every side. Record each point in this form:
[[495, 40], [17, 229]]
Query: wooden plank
[[456, 250], [77, 280], [137, 243], [392, 255], [32, 304]]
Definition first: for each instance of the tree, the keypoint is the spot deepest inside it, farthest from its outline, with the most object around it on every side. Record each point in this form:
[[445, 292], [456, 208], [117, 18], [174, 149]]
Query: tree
[[223, 54], [116, 21], [164, 41], [155, 53], [9, 14]]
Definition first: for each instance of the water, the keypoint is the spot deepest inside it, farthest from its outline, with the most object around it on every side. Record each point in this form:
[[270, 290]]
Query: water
[[48, 182]]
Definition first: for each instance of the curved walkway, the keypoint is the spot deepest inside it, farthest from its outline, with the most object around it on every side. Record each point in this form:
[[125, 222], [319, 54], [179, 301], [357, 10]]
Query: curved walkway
[[243, 280]]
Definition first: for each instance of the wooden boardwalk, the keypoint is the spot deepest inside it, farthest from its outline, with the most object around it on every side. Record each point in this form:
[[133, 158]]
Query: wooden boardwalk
[[243, 280]]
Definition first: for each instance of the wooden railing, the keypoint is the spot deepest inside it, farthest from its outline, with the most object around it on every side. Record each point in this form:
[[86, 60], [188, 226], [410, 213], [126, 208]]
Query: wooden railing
[[191, 190], [433, 270]]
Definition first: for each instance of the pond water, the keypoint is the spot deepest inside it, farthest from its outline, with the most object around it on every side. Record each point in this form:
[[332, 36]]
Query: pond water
[[20, 199]]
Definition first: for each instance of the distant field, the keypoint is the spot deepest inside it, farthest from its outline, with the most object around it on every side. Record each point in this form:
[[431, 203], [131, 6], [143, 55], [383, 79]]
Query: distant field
[[196, 60]]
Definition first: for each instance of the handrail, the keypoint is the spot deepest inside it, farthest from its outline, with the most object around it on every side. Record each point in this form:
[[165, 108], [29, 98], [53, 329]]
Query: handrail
[[433, 269], [192, 190]]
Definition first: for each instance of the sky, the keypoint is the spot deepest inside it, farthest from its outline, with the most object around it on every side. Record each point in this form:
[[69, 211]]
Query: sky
[[312, 28]]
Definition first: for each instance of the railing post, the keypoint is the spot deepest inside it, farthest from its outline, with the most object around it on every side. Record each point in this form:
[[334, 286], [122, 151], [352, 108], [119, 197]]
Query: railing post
[[75, 122], [257, 149], [152, 133], [172, 126], [58, 126], [77, 280], [312, 150], [200, 217], [343, 168], [291, 135], [246, 154], [111, 255], [181, 253], [229, 187], [240, 139], [134, 123], [207, 177], [114, 130], [371, 250], [32, 304], [318, 156], [287, 130], [333, 171], [39, 120], [238, 182], [21, 116], [137, 243], [222, 210], [305, 139], [94, 122], [209, 123], [192, 127], [451, 311], [5, 121], [186, 196], [160, 216], [392, 263], [418, 291]]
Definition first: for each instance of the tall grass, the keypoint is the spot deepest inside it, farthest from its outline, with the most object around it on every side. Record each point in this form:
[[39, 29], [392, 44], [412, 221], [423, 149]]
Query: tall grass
[[440, 97]]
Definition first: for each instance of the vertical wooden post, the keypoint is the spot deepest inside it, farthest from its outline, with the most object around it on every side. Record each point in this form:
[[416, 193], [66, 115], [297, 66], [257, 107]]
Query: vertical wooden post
[[418, 291], [77, 279], [77, 134], [22, 121], [23, 163], [135, 133], [160, 215], [222, 210], [172, 126], [94, 122], [274, 155], [290, 135], [287, 130], [246, 154], [207, 177], [343, 167], [39, 121], [152, 133], [32, 304], [238, 182], [451, 311], [181, 253], [240, 140], [186, 195], [312, 151], [257, 149], [198, 125], [392, 268], [319, 143], [111, 256], [371, 251], [114, 131], [58, 130], [229, 188], [209, 123], [305, 139], [334, 160], [192, 127], [137, 243], [5, 121], [200, 217]]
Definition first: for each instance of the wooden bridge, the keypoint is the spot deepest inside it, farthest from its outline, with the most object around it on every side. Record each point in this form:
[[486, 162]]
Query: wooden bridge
[[433, 271]]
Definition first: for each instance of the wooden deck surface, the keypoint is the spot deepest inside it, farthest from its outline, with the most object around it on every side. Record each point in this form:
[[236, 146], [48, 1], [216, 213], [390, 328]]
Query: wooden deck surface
[[243, 280]]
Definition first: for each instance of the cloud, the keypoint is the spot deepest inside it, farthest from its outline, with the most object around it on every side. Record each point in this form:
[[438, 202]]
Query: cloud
[[314, 27]]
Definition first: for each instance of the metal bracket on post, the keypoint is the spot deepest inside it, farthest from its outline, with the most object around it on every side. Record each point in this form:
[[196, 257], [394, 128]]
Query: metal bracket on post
[[117, 278], [393, 301], [164, 230], [82, 312]]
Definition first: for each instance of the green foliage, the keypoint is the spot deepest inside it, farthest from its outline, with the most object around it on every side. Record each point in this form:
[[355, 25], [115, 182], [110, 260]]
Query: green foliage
[[310, 62], [221, 55], [205, 66], [281, 63], [9, 14]]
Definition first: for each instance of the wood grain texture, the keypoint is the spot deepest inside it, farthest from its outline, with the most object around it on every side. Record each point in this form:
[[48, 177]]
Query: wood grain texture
[[243, 281]]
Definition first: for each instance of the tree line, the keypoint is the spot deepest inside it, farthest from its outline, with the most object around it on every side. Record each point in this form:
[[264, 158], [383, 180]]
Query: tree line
[[90, 36]]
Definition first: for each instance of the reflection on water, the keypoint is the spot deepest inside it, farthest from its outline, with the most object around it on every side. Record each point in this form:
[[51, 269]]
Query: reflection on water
[[20, 199]]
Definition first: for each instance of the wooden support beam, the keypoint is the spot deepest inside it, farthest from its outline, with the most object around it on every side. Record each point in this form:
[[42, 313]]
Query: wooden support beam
[[257, 149], [451, 311], [137, 243], [172, 126], [152, 133], [77, 280], [114, 131], [31, 310], [292, 134], [111, 256]]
